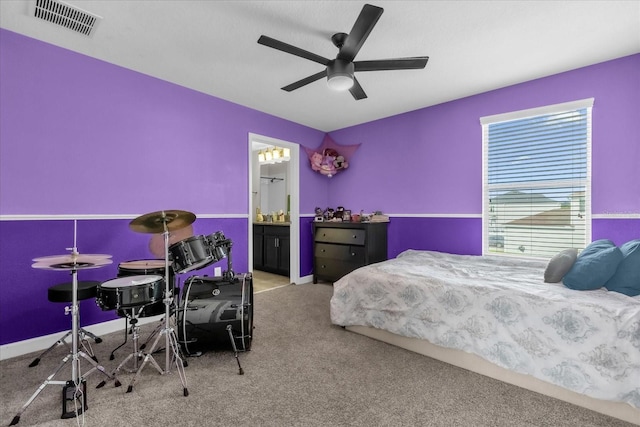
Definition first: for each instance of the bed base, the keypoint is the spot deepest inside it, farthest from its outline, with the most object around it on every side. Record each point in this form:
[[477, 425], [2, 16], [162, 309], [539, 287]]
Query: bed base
[[476, 364]]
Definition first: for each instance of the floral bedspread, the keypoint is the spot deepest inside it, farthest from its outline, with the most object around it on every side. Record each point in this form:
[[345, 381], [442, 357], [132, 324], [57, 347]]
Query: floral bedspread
[[501, 310]]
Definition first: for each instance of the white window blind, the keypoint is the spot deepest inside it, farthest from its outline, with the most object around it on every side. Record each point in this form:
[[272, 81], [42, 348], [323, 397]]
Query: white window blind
[[537, 180]]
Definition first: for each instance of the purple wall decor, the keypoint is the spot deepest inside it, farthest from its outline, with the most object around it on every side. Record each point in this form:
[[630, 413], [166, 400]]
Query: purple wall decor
[[82, 137]]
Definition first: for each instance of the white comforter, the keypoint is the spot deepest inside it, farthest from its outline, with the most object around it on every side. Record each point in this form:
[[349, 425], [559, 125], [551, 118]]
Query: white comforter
[[501, 310]]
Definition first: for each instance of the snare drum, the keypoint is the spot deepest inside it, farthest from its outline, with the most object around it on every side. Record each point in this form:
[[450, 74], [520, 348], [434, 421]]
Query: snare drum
[[147, 267], [130, 291], [191, 253]]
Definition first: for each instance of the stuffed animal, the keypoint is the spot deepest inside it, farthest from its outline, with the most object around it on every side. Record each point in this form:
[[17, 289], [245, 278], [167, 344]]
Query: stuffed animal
[[327, 167], [316, 161], [340, 163]]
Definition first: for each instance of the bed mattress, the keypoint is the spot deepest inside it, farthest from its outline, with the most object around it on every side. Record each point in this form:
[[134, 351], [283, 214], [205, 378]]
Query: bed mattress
[[502, 310]]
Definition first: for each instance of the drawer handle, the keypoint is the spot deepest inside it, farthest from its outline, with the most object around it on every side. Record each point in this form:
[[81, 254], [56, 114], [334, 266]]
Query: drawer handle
[[355, 237], [323, 250], [353, 254]]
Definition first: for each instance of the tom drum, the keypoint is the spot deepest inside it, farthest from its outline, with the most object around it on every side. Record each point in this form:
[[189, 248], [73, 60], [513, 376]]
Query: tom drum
[[192, 253]]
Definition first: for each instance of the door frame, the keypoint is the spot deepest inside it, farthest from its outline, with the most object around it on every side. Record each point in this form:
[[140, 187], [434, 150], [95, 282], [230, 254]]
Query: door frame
[[293, 174]]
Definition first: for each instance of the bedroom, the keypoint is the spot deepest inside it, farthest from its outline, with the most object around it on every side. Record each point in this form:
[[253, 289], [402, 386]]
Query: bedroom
[[84, 138]]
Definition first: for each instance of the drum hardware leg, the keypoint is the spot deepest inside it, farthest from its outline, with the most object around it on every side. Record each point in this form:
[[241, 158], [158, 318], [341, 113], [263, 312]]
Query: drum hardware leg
[[46, 382], [136, 355], [235, 349], [148, 357], [229, 274], [63, 341], [172, 351], [75, 355], [153, 334], [126, 333]]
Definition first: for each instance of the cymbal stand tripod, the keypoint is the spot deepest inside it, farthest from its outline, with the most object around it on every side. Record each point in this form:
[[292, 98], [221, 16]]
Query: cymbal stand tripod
[[137, 353], [172, 351], [74, 389]]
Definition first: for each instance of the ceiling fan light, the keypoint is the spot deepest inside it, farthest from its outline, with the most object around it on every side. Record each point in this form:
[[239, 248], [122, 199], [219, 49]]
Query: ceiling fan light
[[340, 74], [340, 82]]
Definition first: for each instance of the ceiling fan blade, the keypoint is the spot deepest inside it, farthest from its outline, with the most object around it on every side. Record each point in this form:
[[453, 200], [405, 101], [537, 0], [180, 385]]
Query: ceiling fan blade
[[364, 24], [284, 47], [357, 91], [392, 64], [305, 81]]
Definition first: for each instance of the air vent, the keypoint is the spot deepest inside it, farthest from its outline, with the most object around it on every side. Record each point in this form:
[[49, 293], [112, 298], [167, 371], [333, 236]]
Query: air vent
[[65, 15]]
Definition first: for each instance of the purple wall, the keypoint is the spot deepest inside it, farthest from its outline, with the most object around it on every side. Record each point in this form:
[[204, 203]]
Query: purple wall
[[83, 137], [435, 156], [436, 153]]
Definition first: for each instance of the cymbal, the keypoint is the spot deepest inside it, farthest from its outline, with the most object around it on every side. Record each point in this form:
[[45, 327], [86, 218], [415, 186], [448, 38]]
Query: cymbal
[[155, 222], [66, 263], [156, 243], [73, 256]]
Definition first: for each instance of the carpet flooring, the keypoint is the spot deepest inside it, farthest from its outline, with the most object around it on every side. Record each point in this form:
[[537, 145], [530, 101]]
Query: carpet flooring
[[301, 371]]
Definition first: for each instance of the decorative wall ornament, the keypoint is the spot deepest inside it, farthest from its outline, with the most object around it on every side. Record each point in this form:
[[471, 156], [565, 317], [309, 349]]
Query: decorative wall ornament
[[330, 158]]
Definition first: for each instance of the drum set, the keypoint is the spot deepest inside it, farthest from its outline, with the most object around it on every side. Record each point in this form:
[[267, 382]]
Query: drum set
[[210, 306]]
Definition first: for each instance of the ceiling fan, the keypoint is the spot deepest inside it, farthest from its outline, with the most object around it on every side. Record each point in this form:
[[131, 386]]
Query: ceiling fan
[[340, 71]]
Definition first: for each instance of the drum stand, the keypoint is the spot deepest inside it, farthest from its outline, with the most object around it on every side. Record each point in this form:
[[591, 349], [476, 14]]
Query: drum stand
[[137, 354], [171, 342], [75, 389]]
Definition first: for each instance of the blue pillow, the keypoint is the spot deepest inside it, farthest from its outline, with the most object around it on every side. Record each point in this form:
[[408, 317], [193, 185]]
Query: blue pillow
[[626, 280], [596, 264]]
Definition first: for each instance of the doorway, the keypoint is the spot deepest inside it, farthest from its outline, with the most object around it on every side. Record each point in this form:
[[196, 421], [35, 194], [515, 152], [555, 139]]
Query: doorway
[[257, 143]]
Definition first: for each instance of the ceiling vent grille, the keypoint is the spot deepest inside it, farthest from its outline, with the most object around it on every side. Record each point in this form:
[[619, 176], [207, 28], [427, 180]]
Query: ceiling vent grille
[[63, 14]]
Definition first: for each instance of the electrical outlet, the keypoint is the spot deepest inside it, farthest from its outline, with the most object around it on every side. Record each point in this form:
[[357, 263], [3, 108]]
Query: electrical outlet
[[217, 271]]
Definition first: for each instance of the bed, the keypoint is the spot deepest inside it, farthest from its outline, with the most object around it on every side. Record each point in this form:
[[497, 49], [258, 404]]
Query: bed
[[497, 316]]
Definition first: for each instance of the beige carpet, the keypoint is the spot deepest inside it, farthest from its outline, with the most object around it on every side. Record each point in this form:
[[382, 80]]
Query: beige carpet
[[301, 371]]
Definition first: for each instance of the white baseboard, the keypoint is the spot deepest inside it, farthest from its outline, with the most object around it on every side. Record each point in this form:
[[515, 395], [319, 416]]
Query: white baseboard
[[31, 345]]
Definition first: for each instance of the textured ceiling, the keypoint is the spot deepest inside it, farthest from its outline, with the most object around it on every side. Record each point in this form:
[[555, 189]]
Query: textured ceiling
[[474, 46]]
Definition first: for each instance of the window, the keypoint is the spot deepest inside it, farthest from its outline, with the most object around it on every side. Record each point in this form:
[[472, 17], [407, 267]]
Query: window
[[536, 180]]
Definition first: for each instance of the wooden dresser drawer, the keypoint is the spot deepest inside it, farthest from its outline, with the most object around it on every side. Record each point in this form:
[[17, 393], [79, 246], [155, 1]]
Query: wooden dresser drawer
[[332, 270], [341, 247], [341, 235], [340, 252]]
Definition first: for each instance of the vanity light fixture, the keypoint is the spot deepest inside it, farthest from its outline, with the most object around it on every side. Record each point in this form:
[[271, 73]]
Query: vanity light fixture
[[274, 155]]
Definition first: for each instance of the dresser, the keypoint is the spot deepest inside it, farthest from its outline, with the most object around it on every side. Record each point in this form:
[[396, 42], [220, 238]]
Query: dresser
[[341, 247]]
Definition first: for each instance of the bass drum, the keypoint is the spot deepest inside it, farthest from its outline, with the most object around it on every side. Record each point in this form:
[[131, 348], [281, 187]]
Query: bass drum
[[146, 267], [209, 306]]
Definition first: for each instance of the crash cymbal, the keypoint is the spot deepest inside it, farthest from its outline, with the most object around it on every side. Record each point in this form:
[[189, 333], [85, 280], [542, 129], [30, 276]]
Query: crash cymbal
[[155, 222], [156, 244], [80, 263]]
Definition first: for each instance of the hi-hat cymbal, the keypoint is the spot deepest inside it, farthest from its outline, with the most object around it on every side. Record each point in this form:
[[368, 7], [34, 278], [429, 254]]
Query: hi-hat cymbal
[[73, 256], [67, 263], [155, 222]]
